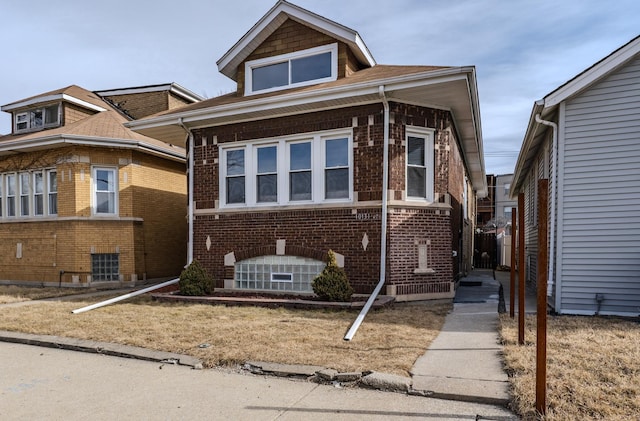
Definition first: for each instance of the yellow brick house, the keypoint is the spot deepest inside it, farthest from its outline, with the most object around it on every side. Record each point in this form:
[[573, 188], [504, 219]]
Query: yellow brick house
[[85, 201]]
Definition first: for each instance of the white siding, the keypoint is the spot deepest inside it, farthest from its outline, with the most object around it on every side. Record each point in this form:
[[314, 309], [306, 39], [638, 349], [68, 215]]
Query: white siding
[[600, 217]]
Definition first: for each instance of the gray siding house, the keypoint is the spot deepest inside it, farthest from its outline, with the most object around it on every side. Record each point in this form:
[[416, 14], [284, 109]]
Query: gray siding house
[[585, 138]]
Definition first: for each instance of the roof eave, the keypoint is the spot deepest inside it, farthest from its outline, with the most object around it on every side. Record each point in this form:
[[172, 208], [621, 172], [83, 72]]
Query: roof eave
[[17, 146]]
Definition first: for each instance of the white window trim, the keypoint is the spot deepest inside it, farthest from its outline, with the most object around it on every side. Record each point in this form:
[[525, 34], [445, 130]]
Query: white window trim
[[428, 135], [14, 196], [28, 194], [318, 159], [94, 199], [250, 65], [44, 125], [48, 191]]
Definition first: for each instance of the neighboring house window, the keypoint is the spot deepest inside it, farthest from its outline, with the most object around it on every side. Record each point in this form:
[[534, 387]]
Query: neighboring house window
[[316, 169], [52, 188], [38, 118], [280, 273], [105, 267], [11, 194], [105, 188], [38, 193], [507, 213], [419, 175], [24, 194], [507, 187], [314, 65]]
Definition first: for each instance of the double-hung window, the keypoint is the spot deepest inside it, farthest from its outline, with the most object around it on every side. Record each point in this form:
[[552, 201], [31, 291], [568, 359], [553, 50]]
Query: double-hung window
[[38, 193], [11, 194], [52, 189], [301, 68], [24, 194], [105, 191], [267, 174], [300, 180], [308, 169], [420, 168]]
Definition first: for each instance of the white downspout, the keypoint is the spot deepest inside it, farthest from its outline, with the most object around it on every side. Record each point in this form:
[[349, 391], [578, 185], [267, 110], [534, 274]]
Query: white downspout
[[383, 234], [189, 193], [552, 224]]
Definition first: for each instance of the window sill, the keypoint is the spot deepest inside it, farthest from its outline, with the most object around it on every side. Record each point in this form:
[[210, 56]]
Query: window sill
[[424, 271]]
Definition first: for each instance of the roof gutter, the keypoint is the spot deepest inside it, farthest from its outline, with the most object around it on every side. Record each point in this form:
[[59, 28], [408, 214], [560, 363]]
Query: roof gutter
[[189, 193], [553, 176], [92, 141], [383, 234]]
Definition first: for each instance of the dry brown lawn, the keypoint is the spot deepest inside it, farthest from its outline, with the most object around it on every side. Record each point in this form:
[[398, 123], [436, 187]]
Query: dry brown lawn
[[389, 340], [593, 367], [14, 293]]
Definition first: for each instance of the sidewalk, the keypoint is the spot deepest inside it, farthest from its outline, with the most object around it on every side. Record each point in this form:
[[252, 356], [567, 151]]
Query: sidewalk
[[465, 361]]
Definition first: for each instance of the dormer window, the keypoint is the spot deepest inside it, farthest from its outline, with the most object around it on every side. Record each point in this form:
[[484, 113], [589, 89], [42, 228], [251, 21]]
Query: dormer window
[[301, 68], [38, 118]]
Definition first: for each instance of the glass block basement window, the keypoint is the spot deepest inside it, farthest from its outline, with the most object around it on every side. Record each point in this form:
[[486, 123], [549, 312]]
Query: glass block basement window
[[277, 273], [105, 267]]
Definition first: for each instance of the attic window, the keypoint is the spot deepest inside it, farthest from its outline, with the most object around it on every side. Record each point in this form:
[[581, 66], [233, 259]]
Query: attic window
[[301, 68], [38, 118]]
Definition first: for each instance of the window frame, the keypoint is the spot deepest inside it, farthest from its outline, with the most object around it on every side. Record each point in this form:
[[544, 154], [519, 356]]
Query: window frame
[[50, 192], [318, 161], [28, 116], [428, 136], [95, 191], [288, 58], [8, 178], [24, 195], [35, 194]]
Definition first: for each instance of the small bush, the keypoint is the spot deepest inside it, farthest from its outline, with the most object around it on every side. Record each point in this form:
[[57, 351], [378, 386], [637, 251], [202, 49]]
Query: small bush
[[332, 283], [195, 280]]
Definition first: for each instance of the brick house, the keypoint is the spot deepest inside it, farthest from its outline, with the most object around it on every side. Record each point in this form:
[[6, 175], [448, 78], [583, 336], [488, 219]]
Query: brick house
[[320, 148], [85, 200]]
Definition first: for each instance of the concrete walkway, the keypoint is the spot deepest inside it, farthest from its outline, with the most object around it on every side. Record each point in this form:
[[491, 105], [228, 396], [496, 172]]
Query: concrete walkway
[[465, 361]]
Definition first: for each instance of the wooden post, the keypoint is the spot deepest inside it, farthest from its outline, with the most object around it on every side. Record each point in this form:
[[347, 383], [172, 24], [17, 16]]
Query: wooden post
[[512, 284], [541, 280], [521, 268]]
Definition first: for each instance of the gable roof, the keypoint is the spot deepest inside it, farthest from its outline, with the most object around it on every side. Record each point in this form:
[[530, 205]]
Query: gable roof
[[547, 107], [283, 10]]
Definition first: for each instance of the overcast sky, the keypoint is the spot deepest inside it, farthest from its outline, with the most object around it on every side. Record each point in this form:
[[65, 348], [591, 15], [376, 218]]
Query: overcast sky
[[522, 50]]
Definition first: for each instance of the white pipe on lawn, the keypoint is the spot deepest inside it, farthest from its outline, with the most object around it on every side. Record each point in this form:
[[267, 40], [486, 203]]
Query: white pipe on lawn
[[125, 296], [383, 235]]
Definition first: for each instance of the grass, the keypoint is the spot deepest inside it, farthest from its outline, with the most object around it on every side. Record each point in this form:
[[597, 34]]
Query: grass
[[389, 340], [593, 367], [14, 294]]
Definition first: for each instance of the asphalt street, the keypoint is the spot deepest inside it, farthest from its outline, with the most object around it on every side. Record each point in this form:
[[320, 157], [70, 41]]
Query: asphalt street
[[42, 383]]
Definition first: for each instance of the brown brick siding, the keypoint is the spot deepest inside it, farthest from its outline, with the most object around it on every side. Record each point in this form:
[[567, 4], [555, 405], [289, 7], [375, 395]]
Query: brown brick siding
[[314, 231], [141, 104]]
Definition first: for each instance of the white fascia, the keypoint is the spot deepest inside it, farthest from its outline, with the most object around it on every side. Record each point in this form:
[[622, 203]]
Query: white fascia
[[51, 98], [16, 146], [594, 73], [299, 98]]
